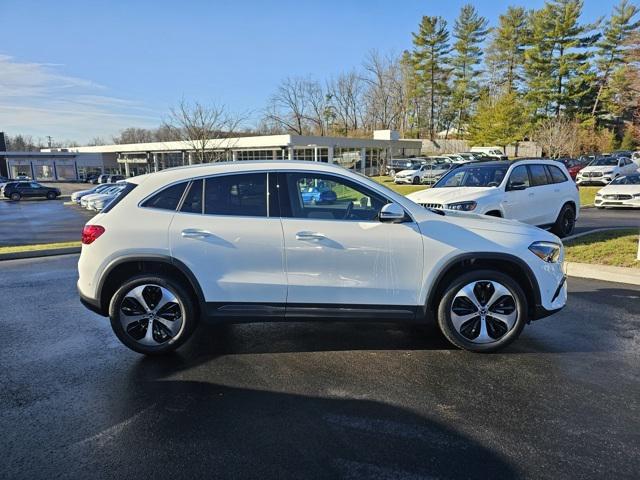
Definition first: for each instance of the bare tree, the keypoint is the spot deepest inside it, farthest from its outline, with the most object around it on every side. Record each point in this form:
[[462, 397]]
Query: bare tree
[[288, 106], [200, 125], [345, 95], [558, 136]]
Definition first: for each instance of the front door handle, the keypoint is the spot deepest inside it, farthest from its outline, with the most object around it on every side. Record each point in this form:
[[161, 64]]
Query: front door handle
[[310, 236], [196, 233]]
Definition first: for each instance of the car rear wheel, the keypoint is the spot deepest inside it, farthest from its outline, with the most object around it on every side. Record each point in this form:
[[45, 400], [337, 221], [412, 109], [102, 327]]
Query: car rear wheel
[[152, 314], [51, 195], [482, 311], [565, 223], [15, 196]]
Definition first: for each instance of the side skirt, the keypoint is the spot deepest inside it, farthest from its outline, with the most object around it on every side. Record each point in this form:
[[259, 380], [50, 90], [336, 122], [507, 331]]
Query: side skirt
[[280, 312]]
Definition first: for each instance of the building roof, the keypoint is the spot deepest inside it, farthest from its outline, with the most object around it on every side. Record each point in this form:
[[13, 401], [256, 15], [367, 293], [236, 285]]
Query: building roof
[[38, 154], [255, 143]]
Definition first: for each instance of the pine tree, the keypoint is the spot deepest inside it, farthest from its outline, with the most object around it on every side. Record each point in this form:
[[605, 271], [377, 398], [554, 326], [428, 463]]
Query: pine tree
[[502, 121], [430, 56], [469, 30], [558, 58], [505, 54], [610, 50]]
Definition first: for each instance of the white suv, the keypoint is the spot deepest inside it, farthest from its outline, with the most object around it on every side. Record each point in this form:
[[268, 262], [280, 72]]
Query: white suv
[[538, 192], [603, 170], [255, 240]]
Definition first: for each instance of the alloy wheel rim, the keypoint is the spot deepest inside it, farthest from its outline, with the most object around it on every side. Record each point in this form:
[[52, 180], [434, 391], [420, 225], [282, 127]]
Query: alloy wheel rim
[[152, 315], [484, 311]]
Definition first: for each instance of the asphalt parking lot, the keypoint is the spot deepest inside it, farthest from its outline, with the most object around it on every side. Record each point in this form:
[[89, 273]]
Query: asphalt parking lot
[[314, 400], [48, 221]]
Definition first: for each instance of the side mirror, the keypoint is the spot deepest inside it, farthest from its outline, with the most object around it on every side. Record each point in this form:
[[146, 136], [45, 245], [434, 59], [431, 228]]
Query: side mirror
[[516, 186], [392, 213]]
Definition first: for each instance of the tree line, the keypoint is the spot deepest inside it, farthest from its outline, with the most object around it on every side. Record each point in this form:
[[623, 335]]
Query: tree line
[[535, 71]]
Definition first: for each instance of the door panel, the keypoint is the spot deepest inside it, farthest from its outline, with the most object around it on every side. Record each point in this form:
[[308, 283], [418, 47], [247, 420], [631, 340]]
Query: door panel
[[517, 203], [338, 253], [238, 256]]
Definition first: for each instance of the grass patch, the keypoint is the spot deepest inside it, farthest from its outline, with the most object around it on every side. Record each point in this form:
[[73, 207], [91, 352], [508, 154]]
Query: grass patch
[[41, 246], [588, 195], [401, 189], [617, 247]]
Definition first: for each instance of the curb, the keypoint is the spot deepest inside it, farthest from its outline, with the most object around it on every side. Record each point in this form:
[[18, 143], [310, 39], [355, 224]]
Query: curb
[[606, 273], [39, 253]]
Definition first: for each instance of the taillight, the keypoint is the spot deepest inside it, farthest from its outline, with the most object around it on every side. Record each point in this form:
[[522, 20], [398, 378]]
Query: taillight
[[90, 233]]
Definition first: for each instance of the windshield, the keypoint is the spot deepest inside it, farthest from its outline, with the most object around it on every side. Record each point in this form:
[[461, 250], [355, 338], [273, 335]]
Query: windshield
[[628, 180], [604, 162], [477, 176]]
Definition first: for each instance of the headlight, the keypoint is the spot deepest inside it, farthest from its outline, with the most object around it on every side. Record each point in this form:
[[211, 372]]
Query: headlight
[[463, 206], [598, 194], [636, 195], [547, 251], [608, 173]]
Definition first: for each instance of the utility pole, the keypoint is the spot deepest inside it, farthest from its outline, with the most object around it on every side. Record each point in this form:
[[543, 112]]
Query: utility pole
[[49, 138]]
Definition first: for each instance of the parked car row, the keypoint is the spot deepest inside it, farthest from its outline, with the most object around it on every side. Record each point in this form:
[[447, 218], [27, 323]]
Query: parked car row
[[97, 198], [396, 165], [104, 178]]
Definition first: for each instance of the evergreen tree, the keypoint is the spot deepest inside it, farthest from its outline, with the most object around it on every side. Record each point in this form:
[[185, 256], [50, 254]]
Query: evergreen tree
[[469, 30], [557, 60], [610, 50], [629, 141], [430, 57], [502, 121], [505, 54]]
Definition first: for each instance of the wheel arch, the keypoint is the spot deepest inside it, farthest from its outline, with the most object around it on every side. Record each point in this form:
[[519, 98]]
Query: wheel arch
[[502, 262], [126, 267]]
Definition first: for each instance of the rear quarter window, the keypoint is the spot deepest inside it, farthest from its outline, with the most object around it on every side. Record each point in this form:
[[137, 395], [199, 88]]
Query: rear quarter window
[[556, 174], [167, 198]]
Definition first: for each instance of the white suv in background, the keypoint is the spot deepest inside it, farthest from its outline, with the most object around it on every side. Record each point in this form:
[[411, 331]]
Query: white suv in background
[[538, 192], [249, 240], [603, 170]]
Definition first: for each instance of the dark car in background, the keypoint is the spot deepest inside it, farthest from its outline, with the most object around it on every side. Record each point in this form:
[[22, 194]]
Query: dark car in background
[[115, 178], [574, 165], [19, 190]]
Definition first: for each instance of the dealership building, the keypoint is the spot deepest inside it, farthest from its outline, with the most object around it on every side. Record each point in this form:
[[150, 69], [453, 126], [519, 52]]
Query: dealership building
[[361, 154]]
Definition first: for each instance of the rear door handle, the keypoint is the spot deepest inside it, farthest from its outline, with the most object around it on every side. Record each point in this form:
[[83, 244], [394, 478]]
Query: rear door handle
[[196, 233], [310, 236]]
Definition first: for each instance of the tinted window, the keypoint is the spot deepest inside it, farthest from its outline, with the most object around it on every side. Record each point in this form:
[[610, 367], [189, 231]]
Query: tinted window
[[240, 195], [474, 176], [193, 200], [538, 175], [519, 176], [326, 197], [168, 198], [556, 174]]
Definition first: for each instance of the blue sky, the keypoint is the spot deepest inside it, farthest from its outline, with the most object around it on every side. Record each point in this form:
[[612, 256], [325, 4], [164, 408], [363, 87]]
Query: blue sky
[[78, 69]]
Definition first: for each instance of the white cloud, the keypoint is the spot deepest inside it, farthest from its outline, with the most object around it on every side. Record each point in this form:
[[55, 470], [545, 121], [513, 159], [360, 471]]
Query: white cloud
[[36, 99]]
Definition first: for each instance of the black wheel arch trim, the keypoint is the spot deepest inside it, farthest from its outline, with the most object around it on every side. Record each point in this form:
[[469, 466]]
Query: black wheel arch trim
[[531, 278], [184, 269]]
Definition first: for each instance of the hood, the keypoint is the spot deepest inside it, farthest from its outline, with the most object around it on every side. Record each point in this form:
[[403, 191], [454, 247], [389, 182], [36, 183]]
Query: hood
[[451, 194], [408, 171], [596, 168], [614, 189], [484, 223]]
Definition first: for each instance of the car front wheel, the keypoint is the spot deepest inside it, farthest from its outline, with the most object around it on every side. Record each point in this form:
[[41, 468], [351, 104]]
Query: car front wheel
[[16, 196], [416, 180], [152, 314], [482, 311], [51, 195]]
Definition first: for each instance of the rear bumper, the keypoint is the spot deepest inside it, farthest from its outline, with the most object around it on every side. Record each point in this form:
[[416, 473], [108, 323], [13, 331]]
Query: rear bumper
[[92, 304]]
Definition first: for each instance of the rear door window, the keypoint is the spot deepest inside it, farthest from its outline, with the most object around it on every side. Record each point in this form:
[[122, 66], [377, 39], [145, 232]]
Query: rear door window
[[243, 195], [538, 175]]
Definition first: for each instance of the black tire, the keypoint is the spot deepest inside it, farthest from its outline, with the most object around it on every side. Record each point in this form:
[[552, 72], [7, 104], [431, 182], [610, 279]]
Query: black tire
[[566, 221], [416, 180], [15, 196], [189, 314], [51, 195], [458, 339]]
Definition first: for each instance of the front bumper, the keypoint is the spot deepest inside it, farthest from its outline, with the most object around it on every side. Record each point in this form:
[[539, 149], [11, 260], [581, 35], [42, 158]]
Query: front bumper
[[407, 180], [608, 202], [606, 180]]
